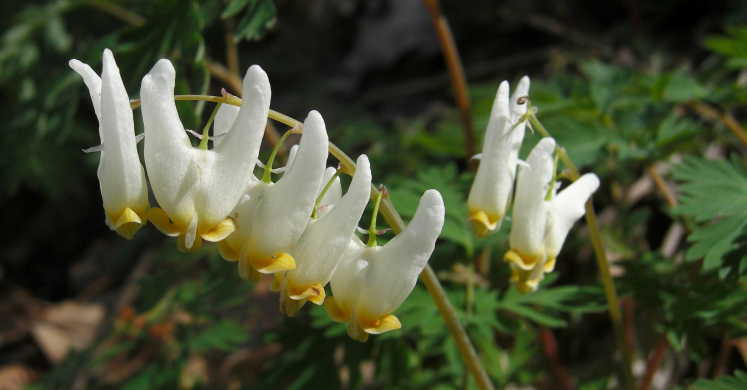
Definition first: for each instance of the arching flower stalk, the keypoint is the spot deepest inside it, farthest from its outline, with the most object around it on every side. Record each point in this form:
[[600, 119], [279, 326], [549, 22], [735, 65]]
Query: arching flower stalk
[[372, 281], [490, 194], [121, 176]]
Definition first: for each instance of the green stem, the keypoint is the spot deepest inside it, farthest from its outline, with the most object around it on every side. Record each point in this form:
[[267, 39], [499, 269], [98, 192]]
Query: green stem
[[464, 345], [372, 229], [324, 191], [268, 167], [206, 130], [604, 267]]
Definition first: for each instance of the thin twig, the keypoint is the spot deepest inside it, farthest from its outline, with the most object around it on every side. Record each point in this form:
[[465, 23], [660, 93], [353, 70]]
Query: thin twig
[[728, 120], [456, 72], [550, 349], [653, 363], [662, 186], [224, 75], [613, 302], [119, 12], [719, 367], [232, 50]]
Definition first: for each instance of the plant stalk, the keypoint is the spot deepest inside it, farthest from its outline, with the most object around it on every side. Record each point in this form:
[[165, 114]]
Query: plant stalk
[[604, 267]]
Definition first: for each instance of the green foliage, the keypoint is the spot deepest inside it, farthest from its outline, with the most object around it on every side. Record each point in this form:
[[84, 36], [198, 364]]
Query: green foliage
[[226, 335], [722, 217], [733, 45], [259, 16], [738, 381]]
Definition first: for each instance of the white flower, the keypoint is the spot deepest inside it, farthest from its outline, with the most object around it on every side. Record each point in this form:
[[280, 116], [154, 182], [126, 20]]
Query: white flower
[[121, 176], [540, 226], [564, 210], [490, 194], [272, 216], [319, 249], [371, 281], [196, 188]]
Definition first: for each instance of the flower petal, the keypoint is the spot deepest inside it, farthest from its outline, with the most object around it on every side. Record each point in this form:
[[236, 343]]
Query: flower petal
[[224, 119], [566, 208], [93, 82], [320, 247], [272, 220], [394, 268], [386, 324], [121, 176], [235, 156], [160, 220], [517, 110], [221, 231], [491, 190], [529, 220], [174, 176], [334, 312]]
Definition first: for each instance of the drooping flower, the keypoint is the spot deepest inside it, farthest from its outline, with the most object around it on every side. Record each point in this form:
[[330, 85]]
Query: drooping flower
[[565, 209], [121, 176], [372, 281], [541, 220], [319, 249], [490, 194], [198, 188], [272, 216]]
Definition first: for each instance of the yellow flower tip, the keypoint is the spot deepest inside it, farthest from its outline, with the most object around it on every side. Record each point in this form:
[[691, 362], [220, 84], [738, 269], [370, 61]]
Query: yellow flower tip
[[522, 281], [522, 260], [128, 222], [161, 221], [182, 246], [549, 265], [314, 293], [227, 251], [289, 306], [248, 272], [527, 287], [483, 224], [385, 324], [356, 332], [277, 263], [334, 312], [220, 232], [276, 282]]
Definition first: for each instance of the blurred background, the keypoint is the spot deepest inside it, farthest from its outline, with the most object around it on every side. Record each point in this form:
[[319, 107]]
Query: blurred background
[[643, 93]]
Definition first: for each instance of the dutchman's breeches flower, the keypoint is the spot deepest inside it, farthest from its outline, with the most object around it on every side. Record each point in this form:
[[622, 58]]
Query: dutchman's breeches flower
[[197, 188], [527, 255], [371, 281], [272, 216], [121, 176], [541, 220], [490, 195], [319, 249]]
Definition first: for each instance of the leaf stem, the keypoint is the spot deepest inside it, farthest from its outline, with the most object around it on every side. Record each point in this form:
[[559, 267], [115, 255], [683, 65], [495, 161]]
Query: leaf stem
[[604, 267], [206, 130], [372, 228], [456, 73], [324, 191], [266, 176]]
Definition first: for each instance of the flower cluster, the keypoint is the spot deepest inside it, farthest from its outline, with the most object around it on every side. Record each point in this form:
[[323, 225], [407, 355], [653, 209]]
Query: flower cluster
[[301, 228], [541, 217]]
